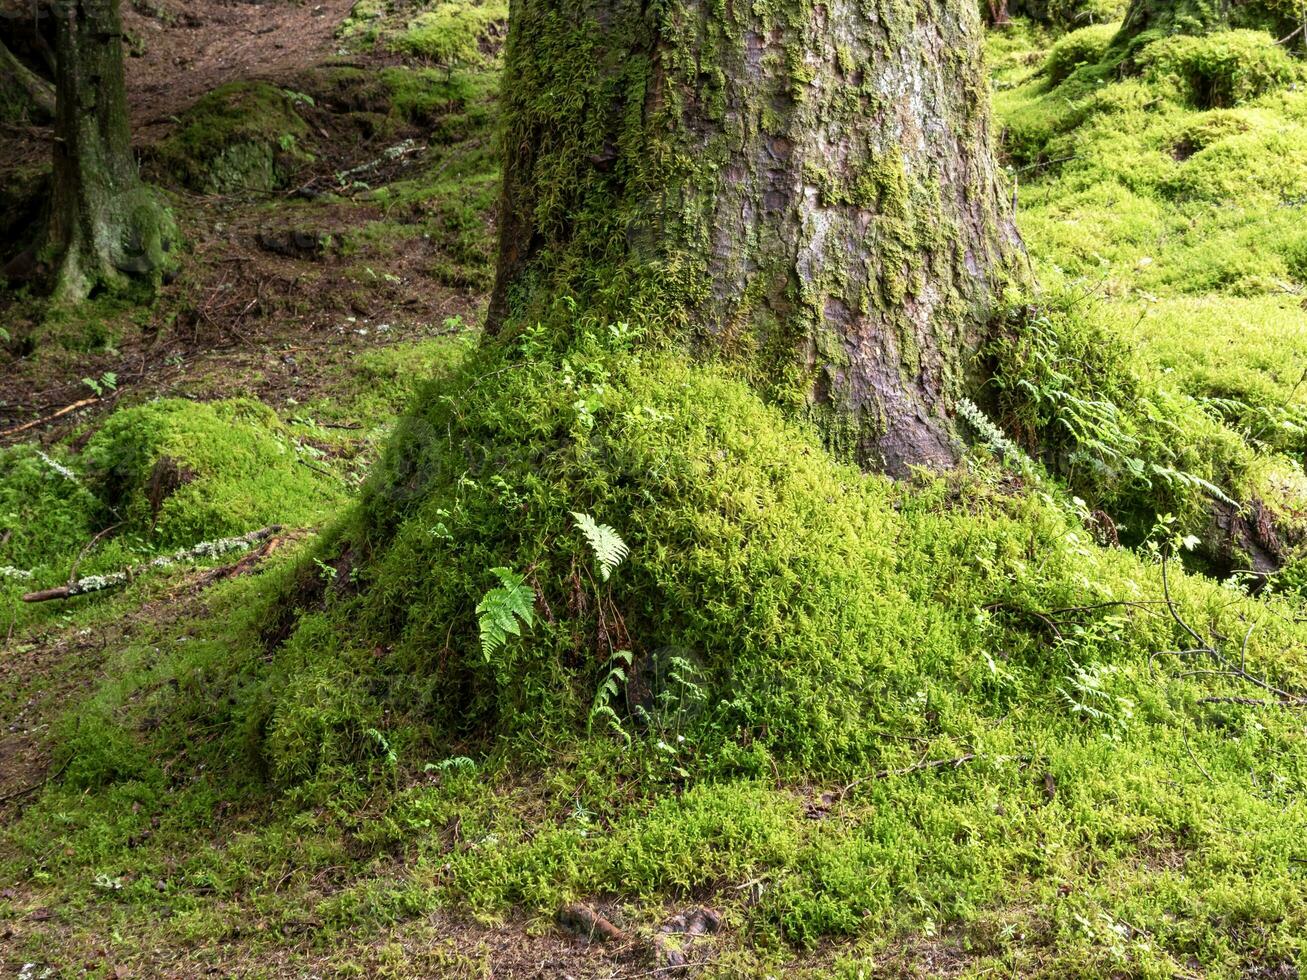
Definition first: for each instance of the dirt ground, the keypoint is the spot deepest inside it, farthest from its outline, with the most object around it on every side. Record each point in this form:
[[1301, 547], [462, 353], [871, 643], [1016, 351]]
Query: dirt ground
[[240, 318], [185, 48]]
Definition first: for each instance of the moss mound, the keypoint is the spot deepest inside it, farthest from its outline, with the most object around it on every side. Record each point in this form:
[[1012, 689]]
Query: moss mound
[[774, 604], [794, 627], [181, 472], [456, 32], [1219, 70], [730, 513], [1085, 46], [240, 137]]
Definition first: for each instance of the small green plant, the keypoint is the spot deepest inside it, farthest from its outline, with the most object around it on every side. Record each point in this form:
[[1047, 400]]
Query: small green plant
[[500, 611], [609, 688], [1087, 698], [102, 385], [457, 763], [608, 547]]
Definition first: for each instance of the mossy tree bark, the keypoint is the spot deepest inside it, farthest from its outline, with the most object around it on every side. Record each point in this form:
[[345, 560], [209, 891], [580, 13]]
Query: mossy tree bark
[[1280, 17], [105, 224], [22, 88], [807, 189]]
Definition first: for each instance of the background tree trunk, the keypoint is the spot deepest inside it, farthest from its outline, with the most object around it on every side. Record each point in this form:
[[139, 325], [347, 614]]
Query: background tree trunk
[[807, 189], [1201, 16], [22, 88], [105, 224]]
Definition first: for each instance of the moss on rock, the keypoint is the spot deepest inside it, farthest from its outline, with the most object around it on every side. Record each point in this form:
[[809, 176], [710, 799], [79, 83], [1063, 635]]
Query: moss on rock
[[183, 472], [240, 137]]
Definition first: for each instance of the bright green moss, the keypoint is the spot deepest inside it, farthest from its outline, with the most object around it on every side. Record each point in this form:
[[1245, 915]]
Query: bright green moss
[[1185, 223], [1085, 46], [455, 32], [839, 624], [183, 472], [1221, 69]]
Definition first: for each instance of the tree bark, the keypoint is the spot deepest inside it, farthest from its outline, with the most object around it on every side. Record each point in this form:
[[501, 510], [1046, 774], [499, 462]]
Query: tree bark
[[808, 190], [21, 82], [105, 224], [1201, 16]]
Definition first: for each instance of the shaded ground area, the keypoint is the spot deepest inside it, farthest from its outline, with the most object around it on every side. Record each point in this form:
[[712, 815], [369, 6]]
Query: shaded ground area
[[183, 50], [279, 286]]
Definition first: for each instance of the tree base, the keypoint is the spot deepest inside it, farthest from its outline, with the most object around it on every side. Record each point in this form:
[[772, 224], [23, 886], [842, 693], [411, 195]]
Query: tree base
[[130, 240]]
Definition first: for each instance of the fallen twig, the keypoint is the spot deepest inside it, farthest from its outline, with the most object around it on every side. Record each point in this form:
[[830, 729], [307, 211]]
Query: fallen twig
[[205, 549], [244, 566], [18, 794], [49, 418]]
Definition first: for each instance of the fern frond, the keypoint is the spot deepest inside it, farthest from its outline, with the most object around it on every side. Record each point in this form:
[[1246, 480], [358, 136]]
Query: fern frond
[[501, 608], [608, 547]]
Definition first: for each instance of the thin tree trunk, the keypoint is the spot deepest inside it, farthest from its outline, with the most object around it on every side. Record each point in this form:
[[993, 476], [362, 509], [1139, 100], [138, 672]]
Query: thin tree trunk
[[38, 93], [105, 224], [806, 190]]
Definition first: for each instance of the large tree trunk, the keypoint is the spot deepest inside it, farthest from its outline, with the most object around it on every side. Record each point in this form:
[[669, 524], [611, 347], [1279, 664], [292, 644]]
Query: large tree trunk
[[105, 224], [807, 189]]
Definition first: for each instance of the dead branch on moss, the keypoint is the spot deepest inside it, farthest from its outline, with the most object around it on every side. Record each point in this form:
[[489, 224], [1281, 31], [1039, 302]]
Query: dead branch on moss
[[205, 549], [49, 418], [1210, 648], [246, 564]]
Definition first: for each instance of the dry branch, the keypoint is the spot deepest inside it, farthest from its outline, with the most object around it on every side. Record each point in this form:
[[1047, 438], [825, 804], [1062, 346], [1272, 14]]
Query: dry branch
[[49, 418], [205, 549]]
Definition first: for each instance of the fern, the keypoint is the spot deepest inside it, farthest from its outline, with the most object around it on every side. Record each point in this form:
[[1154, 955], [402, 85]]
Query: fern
[[608, 547], [501, 608], [602, 707]]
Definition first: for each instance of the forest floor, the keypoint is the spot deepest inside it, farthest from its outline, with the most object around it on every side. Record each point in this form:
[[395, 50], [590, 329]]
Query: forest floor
[[324, 295]]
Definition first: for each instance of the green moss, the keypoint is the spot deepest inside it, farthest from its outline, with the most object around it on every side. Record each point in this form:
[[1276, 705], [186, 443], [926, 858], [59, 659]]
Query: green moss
[[183, 472], [1221, 69], [46, 512], [837, 626], [365, 21], [455, 32], [1170, 223], [241, 136], [1066, 14], [1085, 46]]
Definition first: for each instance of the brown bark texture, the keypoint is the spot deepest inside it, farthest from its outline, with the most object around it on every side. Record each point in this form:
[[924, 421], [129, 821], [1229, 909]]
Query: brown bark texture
[[806, 189], [105, 224]]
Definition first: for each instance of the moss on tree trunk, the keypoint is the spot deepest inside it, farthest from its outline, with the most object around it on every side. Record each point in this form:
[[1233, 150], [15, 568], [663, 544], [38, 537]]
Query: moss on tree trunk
[[105, 224], [807, 189]]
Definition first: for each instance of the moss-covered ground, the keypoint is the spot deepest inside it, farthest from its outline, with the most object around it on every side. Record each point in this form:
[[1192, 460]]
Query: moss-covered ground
[[935, 727]]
